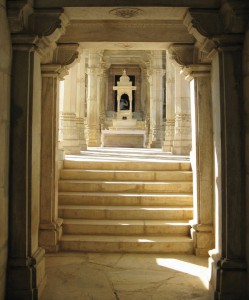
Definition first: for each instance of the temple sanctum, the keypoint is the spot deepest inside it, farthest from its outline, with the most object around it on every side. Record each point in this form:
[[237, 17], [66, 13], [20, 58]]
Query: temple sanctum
[[124, 149]]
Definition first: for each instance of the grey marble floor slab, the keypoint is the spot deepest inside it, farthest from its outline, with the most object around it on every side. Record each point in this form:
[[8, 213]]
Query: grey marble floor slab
[[92, 276]]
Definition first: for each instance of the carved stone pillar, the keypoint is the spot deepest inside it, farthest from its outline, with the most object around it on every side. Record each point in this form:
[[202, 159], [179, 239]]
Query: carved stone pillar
[[26, 263], [143, 91], [170, 105], [72, 131], [228, 258], [221, 45], [34, 37], [182, 135], [102, 88], [80, 102], [147, 106], [156, 99], [92, 103], [202, 156], [50, 224]]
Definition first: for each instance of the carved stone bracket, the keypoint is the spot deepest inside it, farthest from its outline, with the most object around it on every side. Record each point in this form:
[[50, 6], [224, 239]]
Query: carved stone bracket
[[207, 27], [46, 24], [181, 54], [50, 32], [64, 56]]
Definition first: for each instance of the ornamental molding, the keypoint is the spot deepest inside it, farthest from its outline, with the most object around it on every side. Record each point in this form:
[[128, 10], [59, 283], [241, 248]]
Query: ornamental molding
[[126, 13]]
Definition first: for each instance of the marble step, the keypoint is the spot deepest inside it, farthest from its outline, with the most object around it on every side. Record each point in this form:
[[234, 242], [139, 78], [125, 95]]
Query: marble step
[[122, 175], [132, 152], [86, 198], [125, 186], [125, 212], [125, 227], [85, 163], [127, 244]]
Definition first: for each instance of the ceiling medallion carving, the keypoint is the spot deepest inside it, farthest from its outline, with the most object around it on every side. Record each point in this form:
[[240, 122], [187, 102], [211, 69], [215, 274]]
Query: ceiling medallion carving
[[126, 13], [124, 45]]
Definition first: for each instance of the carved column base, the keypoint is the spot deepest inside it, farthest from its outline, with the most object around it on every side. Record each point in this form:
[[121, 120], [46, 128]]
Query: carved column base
[[203, 238], [167, 148], [26, 277], [228, 278], [169, 135], [93, 137], [181, 147], [71, 147], [156, 144], [50, 234]]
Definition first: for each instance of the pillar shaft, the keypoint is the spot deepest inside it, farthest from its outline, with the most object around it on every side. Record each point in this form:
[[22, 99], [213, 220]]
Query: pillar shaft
[[50, 224], [156, 99], [26, 264], [182, 135], [170, 105], [80, 103], [102, 96], [70, 130], [92, 103], [228, 259], [202, 160]]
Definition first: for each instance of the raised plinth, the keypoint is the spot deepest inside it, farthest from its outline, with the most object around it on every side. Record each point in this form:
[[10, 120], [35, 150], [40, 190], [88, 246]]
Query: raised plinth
[[128, 124], [123, 138]]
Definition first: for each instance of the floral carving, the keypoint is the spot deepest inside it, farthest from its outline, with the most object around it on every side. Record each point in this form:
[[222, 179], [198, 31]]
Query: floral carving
[[126, 13]]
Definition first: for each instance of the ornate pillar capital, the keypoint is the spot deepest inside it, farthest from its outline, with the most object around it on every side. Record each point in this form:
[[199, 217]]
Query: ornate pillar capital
[[196, 70]]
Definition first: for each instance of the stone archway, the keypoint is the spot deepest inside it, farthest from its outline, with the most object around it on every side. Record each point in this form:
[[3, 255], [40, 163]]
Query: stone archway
[[222, 51]]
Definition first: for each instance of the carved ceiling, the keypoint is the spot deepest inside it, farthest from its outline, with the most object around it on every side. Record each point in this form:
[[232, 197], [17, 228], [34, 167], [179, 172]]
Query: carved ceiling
[[121, 28]]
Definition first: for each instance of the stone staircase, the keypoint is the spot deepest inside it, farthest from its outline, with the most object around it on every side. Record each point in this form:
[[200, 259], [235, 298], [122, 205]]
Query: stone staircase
[[126, 200]]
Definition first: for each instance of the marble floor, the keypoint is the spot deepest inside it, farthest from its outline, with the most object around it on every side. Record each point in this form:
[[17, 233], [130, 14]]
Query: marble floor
[[85, 276]]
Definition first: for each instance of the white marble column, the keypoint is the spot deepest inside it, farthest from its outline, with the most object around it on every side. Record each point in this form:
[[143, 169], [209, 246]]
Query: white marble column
[[147, 105], [80, 102], [182, 135], [170, 105], [227, 260], [70, 129], [26, 260], [156, 73], [202, 157], [92, 103], [101, 97], [50, 225], [144, 90]]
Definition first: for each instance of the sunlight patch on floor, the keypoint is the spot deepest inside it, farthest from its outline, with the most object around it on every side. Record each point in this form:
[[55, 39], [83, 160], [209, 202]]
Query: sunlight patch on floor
[[185, 267]]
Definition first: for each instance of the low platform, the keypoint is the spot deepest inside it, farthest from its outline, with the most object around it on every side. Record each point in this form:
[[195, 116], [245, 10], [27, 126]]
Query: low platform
[[123, 138]]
